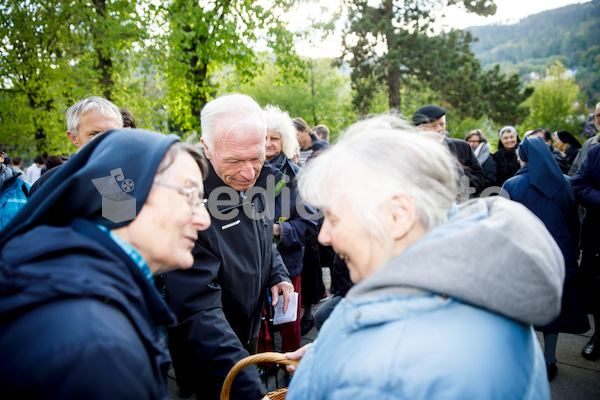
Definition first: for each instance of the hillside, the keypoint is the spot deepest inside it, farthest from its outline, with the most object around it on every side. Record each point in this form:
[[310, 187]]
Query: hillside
[[570, 34]]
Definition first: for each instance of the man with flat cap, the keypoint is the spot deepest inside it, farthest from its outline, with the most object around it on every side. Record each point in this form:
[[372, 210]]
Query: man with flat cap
[[432, 118]]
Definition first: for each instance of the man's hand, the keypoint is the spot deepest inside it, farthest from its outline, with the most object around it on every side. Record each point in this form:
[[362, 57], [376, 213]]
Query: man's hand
[[286, 289], [296, 355], [276, 230]]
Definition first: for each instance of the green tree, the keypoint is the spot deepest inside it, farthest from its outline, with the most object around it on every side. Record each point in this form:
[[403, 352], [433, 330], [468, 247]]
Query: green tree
[[32, 62], [504, 98], [321, 96], [553, 104], [54, 52], [385, 39], [200, 41]]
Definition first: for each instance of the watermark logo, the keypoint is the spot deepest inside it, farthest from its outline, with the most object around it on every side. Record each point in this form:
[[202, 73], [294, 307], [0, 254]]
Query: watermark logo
[[117, 204], [224, 203]]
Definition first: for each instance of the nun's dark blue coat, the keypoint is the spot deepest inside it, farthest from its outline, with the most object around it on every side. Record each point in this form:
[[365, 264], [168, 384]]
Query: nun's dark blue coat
[[78, 318], [541, 187]]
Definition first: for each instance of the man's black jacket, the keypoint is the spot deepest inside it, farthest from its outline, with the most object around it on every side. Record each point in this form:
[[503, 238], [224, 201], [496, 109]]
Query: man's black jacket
[[219, 301]]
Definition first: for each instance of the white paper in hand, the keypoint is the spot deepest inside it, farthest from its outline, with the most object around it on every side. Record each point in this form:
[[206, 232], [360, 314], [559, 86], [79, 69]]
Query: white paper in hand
[[292, 310]]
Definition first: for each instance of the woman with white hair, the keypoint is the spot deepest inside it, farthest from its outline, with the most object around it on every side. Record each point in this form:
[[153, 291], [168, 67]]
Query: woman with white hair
[[292, 217], [430, 315]]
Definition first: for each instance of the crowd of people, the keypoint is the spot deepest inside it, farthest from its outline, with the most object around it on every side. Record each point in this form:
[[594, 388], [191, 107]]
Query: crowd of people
[[140, 252]]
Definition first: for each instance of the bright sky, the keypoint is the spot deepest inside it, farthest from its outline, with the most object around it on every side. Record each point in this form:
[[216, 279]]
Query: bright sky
[[508, 11]]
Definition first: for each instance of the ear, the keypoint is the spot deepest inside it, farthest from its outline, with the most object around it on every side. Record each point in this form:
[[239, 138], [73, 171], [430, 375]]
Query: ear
[[73, 139], [206, 150], [403, 215]]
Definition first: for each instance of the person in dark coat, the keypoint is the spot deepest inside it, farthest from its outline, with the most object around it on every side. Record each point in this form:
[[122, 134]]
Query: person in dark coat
[[292, 217], [313, 289], [340, 280], [587, 189], [219, 301], [568, 145], [432, 118], [507, 164], [587, 145], [541, 187], [79, 311]]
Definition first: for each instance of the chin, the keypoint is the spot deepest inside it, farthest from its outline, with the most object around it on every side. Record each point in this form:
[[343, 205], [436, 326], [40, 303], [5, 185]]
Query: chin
[[245, 187]]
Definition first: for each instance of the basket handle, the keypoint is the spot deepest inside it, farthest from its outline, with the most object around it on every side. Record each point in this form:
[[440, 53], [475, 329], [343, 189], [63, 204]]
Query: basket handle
[[278, 358]]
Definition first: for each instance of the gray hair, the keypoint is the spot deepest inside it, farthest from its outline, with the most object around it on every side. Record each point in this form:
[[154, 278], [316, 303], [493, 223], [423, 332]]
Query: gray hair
[[240, 108], [321, 130], [375, 160], [281, 122], [79, 109], [178, 147]]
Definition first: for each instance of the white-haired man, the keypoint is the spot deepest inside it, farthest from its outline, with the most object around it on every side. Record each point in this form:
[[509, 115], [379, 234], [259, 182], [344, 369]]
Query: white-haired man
[[219, 302]]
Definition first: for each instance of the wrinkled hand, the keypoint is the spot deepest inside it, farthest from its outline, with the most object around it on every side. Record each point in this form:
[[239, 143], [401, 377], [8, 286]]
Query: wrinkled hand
[[286, 289], [296, 355]]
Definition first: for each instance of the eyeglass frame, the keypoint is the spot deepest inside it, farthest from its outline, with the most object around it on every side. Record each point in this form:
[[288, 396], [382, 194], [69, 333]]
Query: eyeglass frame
[[188, 193]]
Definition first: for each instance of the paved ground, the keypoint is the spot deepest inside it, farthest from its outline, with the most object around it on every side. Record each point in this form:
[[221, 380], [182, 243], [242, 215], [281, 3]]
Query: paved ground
[[577, 378]]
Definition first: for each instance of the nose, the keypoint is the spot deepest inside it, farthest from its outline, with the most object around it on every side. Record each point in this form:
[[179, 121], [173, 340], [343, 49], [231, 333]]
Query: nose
[[247, 171], [201, 219], [324, 234]]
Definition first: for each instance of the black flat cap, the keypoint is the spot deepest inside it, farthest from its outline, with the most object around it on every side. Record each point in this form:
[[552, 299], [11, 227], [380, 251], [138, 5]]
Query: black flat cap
[[427, 114]]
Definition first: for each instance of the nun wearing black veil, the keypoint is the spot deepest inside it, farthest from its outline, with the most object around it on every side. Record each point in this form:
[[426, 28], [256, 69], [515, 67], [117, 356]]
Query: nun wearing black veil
[[79, 311], [541, 187]]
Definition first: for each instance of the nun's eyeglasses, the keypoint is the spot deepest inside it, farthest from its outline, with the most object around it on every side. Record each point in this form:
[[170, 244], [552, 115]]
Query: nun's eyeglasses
[[190, 194]]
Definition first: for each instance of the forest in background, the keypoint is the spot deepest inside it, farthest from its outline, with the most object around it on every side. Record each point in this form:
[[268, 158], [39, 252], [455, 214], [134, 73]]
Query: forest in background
[[569, 34], [163, 61]]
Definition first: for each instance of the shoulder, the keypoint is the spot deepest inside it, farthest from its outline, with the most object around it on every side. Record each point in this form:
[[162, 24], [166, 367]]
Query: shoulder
[[319, 144], [395, 344]]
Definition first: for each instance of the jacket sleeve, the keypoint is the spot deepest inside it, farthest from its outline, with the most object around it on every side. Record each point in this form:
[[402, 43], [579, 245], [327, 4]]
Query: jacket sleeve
[[489, 171], [587, 180], [203, 345], [293, 230], [473, 170]]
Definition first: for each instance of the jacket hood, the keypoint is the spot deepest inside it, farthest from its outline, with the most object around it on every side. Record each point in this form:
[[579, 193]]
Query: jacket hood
[[494, 254]]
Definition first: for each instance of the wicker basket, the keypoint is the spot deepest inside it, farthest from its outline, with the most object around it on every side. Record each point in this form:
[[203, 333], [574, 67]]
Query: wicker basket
[[278, 358]]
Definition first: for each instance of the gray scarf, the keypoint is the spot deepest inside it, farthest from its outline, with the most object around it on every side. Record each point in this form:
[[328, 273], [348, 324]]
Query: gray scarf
[[482, 152]]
